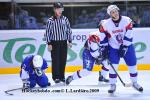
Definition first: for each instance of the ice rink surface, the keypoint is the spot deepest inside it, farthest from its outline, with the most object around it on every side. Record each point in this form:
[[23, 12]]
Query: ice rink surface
[[87, 88]]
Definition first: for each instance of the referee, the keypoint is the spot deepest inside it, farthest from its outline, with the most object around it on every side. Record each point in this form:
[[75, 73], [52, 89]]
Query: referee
[[58, 37]]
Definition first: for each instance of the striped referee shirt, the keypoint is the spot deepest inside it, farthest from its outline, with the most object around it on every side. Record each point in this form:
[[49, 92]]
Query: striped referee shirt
[[58, 29]]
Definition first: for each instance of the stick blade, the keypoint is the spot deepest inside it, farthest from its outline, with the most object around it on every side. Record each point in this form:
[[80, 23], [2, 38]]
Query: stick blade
[[8, 93]]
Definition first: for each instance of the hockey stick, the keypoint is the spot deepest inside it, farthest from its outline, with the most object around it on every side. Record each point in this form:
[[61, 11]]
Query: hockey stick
[[8, 91], [124, 84], [21, 88]]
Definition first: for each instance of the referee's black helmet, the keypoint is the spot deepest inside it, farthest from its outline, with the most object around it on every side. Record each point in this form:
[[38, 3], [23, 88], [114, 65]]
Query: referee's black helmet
[[58, 5]]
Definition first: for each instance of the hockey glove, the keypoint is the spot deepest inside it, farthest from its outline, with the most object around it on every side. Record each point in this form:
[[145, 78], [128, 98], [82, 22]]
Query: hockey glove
[[99, 59], [26, 84], [105, 52], [123, 50]]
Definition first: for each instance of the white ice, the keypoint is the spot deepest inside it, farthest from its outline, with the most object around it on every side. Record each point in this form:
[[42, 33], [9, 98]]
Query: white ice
[[87, 83]]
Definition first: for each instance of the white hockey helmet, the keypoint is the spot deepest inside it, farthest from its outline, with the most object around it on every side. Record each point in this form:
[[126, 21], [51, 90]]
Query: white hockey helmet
[[112, 7], [37, 61]]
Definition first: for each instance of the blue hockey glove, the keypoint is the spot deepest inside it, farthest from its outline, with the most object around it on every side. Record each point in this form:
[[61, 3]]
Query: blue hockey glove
[[99, 59], [123, 50], [105, 52]]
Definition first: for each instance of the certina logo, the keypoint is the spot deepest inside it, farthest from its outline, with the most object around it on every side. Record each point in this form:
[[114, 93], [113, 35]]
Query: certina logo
[[117, 31]]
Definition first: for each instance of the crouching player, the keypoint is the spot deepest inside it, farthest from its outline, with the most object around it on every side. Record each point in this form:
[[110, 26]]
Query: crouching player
[[92, 53], [32, 72]]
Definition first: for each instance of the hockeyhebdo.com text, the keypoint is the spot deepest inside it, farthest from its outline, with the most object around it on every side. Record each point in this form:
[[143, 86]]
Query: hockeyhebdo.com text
[[62, 90]]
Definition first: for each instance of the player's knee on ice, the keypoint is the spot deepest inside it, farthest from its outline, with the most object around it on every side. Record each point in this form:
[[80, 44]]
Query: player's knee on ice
[[42, 81], [32, 83]]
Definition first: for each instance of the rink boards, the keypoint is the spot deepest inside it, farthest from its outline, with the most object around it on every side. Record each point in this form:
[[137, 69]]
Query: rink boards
[[122, 67], [17, 44]]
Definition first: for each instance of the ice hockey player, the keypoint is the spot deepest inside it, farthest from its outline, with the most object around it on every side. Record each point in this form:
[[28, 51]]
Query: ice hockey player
[[92, 53], [32, 72], [119, 32]]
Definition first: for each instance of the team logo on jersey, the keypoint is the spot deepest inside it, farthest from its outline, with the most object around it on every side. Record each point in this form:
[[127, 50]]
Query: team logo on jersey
[[119, 38]]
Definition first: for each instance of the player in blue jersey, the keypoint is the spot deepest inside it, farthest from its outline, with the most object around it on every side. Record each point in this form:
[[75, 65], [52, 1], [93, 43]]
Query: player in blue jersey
[[32, 72], [92, 54]]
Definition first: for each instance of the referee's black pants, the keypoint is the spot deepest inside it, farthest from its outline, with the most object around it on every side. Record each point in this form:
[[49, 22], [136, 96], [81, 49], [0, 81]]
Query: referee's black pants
[[59, 57]]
